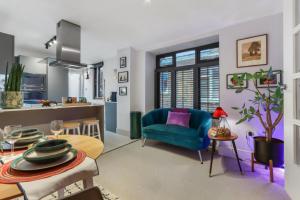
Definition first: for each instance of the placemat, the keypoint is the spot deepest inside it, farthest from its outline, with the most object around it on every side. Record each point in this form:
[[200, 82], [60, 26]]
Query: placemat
[[8, 152], [10, 176]]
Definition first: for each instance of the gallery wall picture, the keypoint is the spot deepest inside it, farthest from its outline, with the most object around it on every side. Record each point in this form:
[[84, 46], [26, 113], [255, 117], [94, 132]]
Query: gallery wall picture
[[233, 84], [123, 77], [273, 81], [123, 62], [252, 51], [122, 91]]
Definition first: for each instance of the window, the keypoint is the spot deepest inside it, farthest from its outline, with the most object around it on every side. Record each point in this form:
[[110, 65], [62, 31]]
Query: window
[[185, 58], [166, 61], [165, 89], [184, 89], [209, 88], [190, 80], [98, 81], [209, 54]]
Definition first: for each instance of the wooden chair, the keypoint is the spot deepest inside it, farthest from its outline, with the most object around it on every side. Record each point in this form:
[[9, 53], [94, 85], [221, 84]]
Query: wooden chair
[[89, 126], [74, 126], [93, 193]]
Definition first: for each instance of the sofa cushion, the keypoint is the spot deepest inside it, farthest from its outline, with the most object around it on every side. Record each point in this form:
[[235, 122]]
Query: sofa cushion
[[171, 130], [178, 118]]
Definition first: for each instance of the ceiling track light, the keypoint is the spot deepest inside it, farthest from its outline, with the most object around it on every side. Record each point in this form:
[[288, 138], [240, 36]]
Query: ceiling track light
[[51, 42]]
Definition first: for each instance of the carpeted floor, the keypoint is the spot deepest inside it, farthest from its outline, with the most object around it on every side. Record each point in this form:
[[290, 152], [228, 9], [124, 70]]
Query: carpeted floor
[[164, 172], [114, 141]]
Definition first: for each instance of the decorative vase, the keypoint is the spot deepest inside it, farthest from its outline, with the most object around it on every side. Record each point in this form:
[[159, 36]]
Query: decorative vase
[[11, 100], [271, 150]]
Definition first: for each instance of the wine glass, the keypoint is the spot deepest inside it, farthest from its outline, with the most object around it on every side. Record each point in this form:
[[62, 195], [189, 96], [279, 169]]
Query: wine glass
[[57, 127], [1, 139], [11, 135]]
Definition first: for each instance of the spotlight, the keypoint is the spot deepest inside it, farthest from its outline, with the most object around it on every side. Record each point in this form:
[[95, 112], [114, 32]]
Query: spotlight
[[51, 42]]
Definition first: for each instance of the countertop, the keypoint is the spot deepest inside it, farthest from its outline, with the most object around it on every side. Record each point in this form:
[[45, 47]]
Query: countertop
[[27, 108]]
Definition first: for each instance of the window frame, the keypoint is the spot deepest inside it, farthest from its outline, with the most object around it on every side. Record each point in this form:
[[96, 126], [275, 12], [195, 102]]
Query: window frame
[[98, 66], [173, 68]]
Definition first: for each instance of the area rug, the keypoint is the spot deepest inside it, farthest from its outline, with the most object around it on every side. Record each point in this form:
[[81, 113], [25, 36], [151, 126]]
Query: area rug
[[77, 187]]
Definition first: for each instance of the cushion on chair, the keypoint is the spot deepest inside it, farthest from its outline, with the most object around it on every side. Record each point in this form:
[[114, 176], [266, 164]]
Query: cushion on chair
[[178, 118], [181, 110], [164, 129]]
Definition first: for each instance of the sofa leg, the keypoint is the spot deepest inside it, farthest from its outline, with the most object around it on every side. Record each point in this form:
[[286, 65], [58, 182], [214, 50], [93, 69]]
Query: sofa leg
[[144, 142], [200, 156]]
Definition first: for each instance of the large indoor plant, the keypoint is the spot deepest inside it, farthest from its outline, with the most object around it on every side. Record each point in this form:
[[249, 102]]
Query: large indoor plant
[[12, 96], [267, 106]]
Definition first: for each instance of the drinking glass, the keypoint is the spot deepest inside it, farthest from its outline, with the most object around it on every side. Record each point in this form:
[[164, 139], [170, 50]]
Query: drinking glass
[[12, 135], [1, 139], [57, 127]]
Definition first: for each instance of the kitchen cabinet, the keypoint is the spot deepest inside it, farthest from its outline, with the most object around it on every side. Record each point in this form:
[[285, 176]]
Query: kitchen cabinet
[[111, 116], [7, 51]]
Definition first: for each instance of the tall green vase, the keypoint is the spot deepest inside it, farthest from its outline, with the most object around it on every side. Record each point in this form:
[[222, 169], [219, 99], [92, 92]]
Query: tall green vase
[[11, 100]]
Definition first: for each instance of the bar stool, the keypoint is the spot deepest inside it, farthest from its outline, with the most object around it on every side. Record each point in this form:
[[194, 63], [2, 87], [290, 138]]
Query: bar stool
[[90, 125], [74, 126]]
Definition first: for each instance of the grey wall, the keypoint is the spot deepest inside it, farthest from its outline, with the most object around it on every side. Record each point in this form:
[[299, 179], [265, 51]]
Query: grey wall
[[7, 50], [33, 65]]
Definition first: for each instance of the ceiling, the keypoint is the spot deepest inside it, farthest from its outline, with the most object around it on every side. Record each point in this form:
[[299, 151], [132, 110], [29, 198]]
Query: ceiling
[[108, 25]]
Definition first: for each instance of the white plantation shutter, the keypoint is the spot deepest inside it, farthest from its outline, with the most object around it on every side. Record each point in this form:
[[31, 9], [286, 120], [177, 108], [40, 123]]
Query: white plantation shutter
[[185, 89], [209, 88], [165, 89], [189, 78]]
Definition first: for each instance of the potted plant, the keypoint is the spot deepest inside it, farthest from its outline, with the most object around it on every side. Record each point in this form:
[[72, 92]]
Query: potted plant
[[12, 96], [265, 104]]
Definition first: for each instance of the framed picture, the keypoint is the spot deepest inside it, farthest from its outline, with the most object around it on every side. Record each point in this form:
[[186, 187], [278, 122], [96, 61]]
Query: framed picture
[[123, 62], [252, 51], [123, 91], [272, 81], [123, 77], [232, 84]]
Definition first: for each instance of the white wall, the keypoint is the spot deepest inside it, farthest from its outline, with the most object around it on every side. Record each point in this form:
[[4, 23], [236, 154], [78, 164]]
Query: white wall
[[124, 102], [150, 65], [271, 25], [110, 81]]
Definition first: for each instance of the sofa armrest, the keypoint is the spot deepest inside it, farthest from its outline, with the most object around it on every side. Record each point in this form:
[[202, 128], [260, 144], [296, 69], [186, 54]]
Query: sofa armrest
[[148, 119], [204, 128]]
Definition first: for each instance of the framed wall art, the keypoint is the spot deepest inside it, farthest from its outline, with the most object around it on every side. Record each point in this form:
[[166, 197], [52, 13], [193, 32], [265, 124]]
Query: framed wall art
[[123, 77], [123, 91], [123, 62], [252, 51], [273, 81], [233, 84]]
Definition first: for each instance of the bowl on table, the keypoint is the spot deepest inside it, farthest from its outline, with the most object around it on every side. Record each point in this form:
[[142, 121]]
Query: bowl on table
[[50, 145], [33, 156], [27, 132]]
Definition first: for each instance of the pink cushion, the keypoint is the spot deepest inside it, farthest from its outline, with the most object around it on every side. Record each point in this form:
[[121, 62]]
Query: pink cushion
[[181, 110], [179, 118]]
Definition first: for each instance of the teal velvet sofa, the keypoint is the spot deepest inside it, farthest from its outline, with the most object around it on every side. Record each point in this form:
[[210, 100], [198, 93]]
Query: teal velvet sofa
[[194, 138]]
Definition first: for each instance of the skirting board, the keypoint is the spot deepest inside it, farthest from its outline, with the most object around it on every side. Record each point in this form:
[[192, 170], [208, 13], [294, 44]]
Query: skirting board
[[123, 132]]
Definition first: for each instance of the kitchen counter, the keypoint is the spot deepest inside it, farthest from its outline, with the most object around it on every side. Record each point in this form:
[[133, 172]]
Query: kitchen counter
[[31, 116], [27, 108]]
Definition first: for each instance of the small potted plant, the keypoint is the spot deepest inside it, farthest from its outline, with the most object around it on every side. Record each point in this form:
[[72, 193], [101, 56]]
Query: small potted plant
[[12, 96], [267, 106]]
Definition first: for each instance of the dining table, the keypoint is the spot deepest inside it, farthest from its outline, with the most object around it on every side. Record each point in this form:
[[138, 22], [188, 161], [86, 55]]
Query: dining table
[[91, 146]]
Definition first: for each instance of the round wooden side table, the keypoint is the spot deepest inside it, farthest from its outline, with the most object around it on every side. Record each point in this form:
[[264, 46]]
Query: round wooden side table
[[214, 139]]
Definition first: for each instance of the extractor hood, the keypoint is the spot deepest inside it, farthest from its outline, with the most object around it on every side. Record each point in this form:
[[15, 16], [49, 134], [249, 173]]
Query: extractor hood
[[68, 36]]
